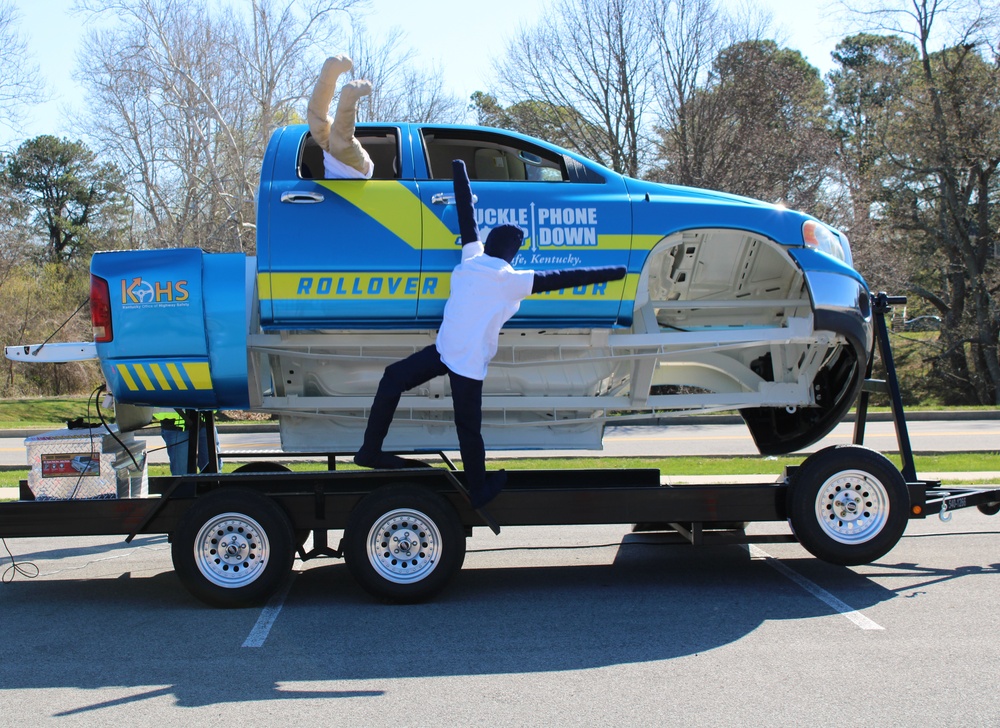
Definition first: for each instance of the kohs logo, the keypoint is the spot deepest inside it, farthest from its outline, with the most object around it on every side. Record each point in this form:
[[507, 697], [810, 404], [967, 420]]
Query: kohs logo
[[140, 292]]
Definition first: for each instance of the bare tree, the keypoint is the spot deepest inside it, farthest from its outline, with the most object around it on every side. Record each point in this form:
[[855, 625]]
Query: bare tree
[[183, 98], [944, 159], [868, 87], [19, 77], [277, 56], [690, 35], [401, 90], [592, 57]]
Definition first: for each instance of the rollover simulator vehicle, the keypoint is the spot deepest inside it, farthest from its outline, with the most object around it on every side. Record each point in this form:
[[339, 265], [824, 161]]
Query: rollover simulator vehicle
[[729, 303]]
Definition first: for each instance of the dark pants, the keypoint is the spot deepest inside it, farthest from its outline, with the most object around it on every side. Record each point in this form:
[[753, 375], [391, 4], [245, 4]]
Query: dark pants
[[467, 398]]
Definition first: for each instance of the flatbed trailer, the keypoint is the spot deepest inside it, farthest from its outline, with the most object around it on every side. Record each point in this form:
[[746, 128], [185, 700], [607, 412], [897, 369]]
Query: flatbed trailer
[[235, 535]]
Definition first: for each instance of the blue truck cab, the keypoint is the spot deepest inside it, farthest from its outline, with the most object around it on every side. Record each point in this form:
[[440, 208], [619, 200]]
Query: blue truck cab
[[728, 303], [358, 253]]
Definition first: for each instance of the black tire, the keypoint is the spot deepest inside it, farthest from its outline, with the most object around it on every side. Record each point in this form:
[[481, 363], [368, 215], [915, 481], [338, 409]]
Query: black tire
[[848, 505], [989, 509], [261, 548], [404, 521], [266, 466]]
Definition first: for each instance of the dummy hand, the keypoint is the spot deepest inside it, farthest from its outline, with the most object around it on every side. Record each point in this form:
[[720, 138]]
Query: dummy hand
[[463, 203], [554, 280]]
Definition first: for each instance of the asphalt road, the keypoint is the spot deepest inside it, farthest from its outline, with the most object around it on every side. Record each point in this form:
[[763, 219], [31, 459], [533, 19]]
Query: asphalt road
[[570, 626]]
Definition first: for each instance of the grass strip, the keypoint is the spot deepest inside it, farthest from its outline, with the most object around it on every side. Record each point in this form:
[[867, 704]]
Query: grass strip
[[722, 466]]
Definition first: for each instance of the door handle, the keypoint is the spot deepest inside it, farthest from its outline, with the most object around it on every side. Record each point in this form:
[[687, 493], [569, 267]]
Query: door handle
[[442, 198], [301, 197]]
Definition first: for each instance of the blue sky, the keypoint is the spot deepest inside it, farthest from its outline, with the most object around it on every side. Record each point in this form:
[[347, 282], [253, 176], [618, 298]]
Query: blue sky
[[461, 36]]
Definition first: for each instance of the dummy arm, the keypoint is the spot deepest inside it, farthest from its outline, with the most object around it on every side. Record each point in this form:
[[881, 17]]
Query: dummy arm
[[463, 202], [554, 280]]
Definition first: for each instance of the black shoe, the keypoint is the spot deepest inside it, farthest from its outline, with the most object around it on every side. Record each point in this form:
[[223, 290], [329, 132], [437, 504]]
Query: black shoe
[[386, 461], [366, 458], [495, 482]]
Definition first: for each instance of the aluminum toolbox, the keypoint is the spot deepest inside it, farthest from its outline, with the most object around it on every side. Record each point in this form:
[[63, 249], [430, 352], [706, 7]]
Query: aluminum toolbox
[[84, 464]]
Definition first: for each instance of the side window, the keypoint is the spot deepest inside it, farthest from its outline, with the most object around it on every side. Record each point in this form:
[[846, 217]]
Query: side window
[[489, 156], [382, 146]]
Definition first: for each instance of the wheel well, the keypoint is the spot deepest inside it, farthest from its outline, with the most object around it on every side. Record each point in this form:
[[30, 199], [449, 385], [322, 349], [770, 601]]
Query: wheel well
[[723, 266]]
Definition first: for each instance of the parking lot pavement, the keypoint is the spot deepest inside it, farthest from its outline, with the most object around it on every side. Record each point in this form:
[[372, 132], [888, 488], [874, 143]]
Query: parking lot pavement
[[569, 625]]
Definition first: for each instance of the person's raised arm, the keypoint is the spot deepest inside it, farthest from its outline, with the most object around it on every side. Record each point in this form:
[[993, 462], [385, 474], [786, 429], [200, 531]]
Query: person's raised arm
[[554, 280], [463, 203]]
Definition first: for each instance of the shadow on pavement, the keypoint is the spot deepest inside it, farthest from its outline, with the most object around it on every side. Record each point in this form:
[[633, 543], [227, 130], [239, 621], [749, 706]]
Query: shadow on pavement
[[146, 634]]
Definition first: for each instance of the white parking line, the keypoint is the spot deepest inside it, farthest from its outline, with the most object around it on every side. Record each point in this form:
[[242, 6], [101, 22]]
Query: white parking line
[[258, 635], [823, 595]]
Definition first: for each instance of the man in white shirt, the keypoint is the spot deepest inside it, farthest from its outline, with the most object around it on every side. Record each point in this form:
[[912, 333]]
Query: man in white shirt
[[343, 155], [485, 293]]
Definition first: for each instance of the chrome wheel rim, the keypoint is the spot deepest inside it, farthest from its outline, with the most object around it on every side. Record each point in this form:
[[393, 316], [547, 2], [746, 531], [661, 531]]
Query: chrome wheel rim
[[852, 507], [404, 546], [231, 550]]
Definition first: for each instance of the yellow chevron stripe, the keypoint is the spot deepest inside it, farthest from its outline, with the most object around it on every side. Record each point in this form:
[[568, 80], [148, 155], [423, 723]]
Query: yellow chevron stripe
[[123, 372], [147, 384], [176, 375], [160, 379], [199, 374], [389, 203]]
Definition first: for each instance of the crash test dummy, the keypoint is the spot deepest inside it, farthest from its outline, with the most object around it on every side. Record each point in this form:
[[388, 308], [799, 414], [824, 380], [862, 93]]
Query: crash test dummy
[[343, 155]]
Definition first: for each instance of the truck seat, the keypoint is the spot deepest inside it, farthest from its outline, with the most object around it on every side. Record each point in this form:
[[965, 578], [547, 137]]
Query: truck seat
[[381, 149], [491, 164]]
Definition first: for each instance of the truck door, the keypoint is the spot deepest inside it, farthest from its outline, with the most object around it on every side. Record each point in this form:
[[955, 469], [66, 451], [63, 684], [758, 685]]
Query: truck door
[[342, 253], [572, 217]]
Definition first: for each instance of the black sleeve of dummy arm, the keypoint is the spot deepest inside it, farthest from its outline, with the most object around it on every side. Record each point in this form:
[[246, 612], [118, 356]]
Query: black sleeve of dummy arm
[[554, 280], [463, 203]]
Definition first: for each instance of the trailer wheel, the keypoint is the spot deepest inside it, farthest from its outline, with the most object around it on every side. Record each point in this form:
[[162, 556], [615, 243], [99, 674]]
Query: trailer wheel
[[266, 466], [233, 548], [848, 505], [989, 509], [404, 543]]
